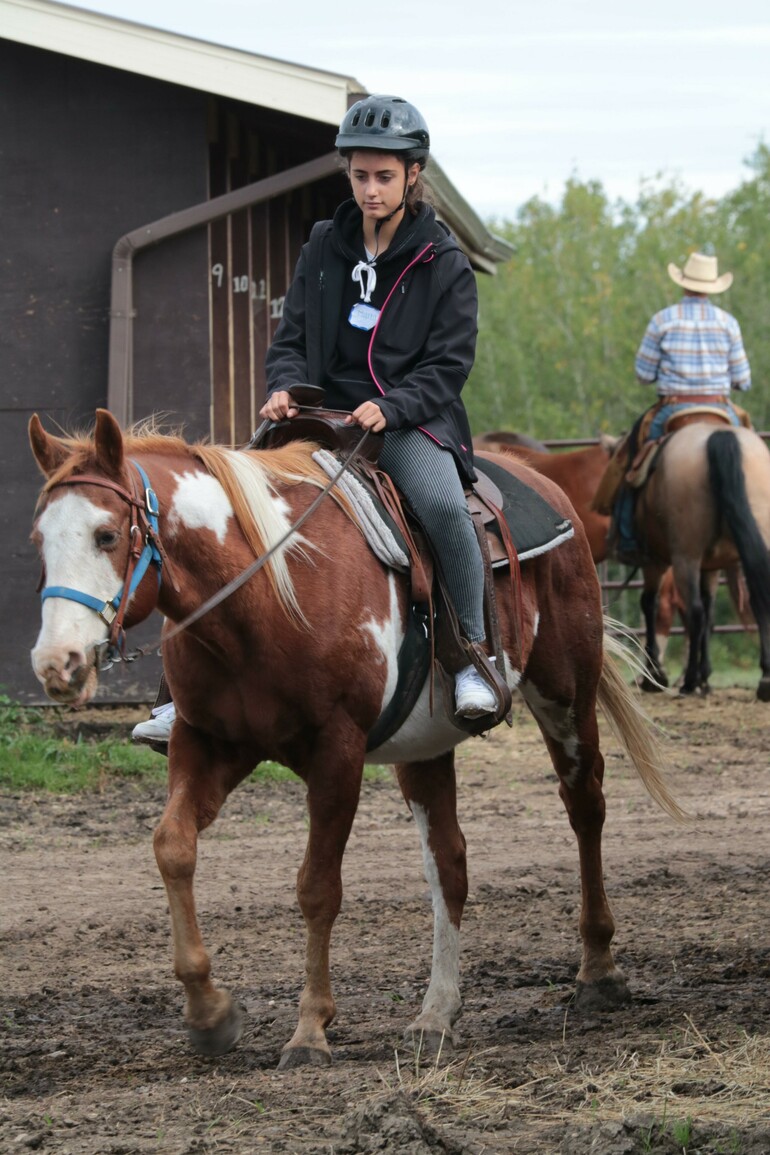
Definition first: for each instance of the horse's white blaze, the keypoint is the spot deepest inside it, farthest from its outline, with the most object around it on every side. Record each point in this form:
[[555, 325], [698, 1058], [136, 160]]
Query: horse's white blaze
[[388, 636], [443, 993], [558, 722], [71, 558], [199, 502]]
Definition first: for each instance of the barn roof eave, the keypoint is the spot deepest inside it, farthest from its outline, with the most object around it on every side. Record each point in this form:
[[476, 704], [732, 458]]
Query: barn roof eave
[[107, 40], [258, 80], [485, 250]]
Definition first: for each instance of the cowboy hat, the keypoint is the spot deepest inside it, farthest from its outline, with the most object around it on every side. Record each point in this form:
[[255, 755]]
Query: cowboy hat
[[700, 274]]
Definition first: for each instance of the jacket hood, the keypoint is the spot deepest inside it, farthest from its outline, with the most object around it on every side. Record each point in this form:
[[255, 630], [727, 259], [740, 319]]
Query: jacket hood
[[412, 234]]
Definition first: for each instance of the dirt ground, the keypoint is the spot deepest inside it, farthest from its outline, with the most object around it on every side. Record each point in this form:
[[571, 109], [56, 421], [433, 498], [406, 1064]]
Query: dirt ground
[[95, 1060]]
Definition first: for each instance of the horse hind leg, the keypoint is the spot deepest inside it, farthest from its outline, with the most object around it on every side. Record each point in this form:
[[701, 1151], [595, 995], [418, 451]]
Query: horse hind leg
[[429, 789], [571, 734]]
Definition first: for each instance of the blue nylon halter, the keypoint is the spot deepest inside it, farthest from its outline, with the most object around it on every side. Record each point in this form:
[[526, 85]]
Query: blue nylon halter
[[107, 611]]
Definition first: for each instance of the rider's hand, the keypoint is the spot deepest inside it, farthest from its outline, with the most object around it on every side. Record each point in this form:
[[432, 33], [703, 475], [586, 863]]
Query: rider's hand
[[369, 416], [278, 406]]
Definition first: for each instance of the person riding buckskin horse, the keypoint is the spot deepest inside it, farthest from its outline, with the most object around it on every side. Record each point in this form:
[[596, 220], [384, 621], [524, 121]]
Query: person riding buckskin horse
[[382, 314], [693, 353]]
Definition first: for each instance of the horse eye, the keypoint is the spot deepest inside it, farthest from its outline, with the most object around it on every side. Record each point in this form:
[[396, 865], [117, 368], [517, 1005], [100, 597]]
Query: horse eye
[[107, 538]]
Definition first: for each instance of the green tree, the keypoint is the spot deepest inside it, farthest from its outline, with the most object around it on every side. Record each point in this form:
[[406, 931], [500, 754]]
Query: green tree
[[560, 324]]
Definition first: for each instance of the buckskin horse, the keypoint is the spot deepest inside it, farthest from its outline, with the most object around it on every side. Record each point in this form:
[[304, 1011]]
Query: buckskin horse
[[705, 507], [578, 472], [296, 666]]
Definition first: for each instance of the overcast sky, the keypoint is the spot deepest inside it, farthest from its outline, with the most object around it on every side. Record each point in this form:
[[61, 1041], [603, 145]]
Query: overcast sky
[[521, 95]]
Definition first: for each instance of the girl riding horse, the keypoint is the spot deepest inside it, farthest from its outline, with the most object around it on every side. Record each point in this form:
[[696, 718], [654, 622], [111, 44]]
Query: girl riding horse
[[381, 313]]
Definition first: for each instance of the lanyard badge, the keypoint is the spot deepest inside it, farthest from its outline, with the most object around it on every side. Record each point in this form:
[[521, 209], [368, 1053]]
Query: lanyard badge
[[363, 315]]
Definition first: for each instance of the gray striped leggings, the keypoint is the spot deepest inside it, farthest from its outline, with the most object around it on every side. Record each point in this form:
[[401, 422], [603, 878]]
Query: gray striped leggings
[[427, 476]]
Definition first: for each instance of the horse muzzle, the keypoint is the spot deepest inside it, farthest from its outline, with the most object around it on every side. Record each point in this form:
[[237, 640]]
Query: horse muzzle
[[69, 680]]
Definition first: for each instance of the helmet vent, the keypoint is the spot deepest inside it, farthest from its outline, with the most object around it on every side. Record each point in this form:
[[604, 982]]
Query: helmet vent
[[369, 120], [356, 119], [385, 119]]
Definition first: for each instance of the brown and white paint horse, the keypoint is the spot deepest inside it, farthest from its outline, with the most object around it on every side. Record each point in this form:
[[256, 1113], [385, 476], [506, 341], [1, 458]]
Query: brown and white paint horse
[[296, 666]]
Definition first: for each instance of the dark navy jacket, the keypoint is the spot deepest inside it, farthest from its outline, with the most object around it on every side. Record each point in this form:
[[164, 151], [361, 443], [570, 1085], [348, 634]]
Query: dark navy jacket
[[415, 363]]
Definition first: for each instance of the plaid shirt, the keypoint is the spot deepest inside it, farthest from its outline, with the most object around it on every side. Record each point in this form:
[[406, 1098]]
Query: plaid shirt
[[693, 347]]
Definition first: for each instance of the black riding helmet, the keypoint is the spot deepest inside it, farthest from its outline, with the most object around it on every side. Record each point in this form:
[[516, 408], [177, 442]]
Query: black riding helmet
[[387, 124]]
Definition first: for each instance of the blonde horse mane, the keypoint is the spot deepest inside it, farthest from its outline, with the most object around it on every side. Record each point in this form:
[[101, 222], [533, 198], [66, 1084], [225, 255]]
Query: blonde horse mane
[[249, 480]]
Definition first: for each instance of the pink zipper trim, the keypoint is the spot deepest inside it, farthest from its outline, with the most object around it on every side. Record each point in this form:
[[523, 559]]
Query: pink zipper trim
[[384, 307]]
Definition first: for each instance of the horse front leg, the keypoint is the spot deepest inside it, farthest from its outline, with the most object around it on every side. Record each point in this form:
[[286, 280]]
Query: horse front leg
[[688, 580], [430, 792], [708, 583], [333, 788], [571, 735], [201, 775], [656, 678]]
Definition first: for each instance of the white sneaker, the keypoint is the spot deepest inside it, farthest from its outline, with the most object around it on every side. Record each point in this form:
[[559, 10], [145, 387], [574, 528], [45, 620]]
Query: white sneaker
[[473, 697], [157, 728]]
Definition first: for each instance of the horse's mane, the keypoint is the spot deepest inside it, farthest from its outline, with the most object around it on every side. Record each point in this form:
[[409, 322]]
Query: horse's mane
[[248, 479]]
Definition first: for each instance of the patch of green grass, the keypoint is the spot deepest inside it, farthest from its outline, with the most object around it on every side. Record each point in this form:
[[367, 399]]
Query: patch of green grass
[[33, 757], [33, 762], [682, 1133]]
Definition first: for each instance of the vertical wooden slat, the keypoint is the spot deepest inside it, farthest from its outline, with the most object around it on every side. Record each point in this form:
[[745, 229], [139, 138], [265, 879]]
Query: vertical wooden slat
[[219, 295], [278, 279], [259, 299]]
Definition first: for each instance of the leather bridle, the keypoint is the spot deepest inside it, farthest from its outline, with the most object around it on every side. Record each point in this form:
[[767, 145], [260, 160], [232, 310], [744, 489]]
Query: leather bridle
[[144, 550]]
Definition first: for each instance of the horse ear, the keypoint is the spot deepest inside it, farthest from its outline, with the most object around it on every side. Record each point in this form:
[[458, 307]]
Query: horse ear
[[50, 452], [108, 443], [608, 442]]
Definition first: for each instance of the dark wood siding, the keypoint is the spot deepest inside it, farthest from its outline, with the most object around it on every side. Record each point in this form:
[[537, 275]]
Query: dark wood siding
[[254, 252], [88, 154]]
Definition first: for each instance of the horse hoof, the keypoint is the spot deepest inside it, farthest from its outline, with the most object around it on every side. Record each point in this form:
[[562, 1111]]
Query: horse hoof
[[605, 994], [220, 1039], [763, 690], [430, 1044], [656, 686], [304, 1057]]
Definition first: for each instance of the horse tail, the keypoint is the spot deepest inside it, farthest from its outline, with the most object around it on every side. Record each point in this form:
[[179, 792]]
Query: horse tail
[[728, 486], [633, 728]]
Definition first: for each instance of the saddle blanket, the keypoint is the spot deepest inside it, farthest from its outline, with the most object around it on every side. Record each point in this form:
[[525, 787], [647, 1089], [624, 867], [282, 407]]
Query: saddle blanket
[[534, 525]]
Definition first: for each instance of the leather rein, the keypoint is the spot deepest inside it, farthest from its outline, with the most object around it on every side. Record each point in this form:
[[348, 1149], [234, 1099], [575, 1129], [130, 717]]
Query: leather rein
[[146, 548]]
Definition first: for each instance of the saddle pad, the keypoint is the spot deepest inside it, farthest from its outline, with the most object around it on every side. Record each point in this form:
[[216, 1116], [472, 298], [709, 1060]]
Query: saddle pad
[[535, 526], [383, 536]]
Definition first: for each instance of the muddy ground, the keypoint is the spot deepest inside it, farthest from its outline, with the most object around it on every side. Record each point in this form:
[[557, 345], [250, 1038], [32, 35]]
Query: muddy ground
[[95, 1060]]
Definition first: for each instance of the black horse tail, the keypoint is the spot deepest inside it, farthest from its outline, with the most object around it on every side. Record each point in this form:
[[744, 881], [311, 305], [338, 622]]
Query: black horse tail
[[728, 485]]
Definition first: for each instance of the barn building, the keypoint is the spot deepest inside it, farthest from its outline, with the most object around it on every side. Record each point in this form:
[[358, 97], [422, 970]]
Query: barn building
[[155, 193]]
